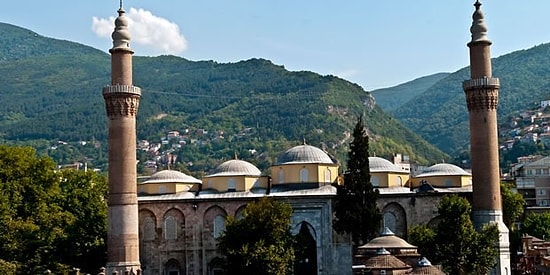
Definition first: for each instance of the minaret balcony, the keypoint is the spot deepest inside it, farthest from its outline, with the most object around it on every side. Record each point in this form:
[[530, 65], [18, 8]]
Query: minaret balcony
[[483, 82], [121, 89]]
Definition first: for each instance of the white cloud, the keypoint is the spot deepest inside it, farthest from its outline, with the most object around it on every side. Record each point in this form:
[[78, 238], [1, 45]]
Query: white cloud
[[155, 33]]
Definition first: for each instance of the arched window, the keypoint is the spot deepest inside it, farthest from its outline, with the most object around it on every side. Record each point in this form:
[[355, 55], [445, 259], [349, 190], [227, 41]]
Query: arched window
[[374, 181], [448, 183], [148, 229], [390, 221], [304, 175], [209, 184], [328, 175], [219, 225], [399, 181], [281, 176], [231, 185], [170, 228], [162, 189]]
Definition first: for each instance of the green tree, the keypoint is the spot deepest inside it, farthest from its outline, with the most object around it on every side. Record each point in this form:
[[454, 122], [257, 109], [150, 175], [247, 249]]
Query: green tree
[[512, 205], [355, 207], [537, 224], [454, 243], [41, 223], [260, 242]]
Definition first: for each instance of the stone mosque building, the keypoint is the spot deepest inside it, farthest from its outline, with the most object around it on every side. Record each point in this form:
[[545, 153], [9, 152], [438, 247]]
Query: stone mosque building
[[172, 226]]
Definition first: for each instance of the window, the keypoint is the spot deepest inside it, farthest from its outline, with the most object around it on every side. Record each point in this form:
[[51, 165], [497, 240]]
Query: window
[[219, 226], [328, 176], [231, 185], [162, 189], [304, 175], [374, 181], [148, 229], [448, 183], [281, 175], [210, 184], [170, 228], [399, 181]]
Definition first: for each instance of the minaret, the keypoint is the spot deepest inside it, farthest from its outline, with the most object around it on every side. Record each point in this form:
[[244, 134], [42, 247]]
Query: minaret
[[482, 100], [121, 102]]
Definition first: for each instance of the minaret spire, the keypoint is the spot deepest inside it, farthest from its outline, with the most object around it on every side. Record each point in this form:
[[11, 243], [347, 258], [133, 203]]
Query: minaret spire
[[122, 101], [482, 100]]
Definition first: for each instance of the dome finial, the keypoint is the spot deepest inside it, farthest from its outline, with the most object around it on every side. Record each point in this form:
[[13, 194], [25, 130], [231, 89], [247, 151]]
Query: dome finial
[[236, 157], [304, 141], [479, 26], [121, 35]]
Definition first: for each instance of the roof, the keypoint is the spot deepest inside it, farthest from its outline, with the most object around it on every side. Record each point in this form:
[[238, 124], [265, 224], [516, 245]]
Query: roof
[[304, 154], [171, 176], [235, 167], [387, 240], [377, 164], [385, 261], [443, 169]]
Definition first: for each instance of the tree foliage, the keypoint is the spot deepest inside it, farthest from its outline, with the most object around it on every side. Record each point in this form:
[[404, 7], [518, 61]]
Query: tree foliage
[[47, 217], [260, 242], [512, 205], [454, 243], [537, 225], [355, 207]]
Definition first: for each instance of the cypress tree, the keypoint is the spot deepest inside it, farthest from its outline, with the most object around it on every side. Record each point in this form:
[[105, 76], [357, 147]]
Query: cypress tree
[[355, 207]]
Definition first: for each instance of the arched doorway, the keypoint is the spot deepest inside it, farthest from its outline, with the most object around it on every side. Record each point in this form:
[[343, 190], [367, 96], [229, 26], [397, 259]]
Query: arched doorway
[[172, 267], [306, 251]]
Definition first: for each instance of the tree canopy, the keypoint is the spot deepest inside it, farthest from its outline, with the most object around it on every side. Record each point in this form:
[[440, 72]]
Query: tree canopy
[[355, 206], [260, 242], [454, 243], [537, 224], [49, 219]]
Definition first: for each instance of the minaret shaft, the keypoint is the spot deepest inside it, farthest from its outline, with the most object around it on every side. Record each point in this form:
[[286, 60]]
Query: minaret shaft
[[122, 102], [482, 99]]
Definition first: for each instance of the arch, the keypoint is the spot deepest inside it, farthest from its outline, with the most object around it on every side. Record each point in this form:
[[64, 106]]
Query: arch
[[374, 181], [172, 267], [214, 219], [173, 220], [305, 250], [394, 215], [433, 222], [147, 225], [304, 175], [240, 211], [216, 266]]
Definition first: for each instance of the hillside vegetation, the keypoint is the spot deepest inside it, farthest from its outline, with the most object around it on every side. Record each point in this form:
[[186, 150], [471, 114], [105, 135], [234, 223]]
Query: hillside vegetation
[[440, 115], [52, 91]]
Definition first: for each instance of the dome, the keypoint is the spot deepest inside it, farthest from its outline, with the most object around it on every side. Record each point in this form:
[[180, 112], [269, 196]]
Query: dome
[[444, 169], [377, 164], [304, 154], [236, 167], [171, 176], [387, 240]]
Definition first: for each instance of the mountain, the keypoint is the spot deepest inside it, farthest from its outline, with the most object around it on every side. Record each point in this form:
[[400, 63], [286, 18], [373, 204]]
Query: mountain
[[52, 91], [440, 116], [395, 97]]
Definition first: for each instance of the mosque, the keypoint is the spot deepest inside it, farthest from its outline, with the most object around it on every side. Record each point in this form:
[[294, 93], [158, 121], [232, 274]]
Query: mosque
[[172, 226]]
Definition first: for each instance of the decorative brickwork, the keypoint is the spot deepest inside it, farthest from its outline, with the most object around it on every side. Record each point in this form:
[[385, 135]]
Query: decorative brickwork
[[482, 99], [121, 100]]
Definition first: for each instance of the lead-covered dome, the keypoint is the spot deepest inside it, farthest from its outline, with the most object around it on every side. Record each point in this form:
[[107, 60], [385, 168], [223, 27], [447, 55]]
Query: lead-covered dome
[[377, 164], [304, 154], [444, 169], [235, 167], [171, 176]]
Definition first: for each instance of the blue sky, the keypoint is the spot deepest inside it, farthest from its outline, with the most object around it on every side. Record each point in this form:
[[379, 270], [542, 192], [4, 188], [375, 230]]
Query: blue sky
[[374, 43]]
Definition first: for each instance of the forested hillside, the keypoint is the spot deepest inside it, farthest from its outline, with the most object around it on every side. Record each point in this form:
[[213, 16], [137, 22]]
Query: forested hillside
[[392, 98], [440, 116], [52, 91]]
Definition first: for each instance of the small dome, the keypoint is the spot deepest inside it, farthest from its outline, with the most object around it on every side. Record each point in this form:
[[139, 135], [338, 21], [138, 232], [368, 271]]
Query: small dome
[[236, 167], [304, 154], [387, 240], [444, 169], [171, 176], [377, 164]]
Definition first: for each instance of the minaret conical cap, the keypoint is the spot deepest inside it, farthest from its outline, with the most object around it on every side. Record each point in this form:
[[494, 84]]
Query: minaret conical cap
[[121, 35], [479, 26]]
